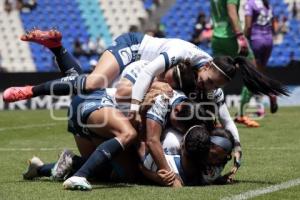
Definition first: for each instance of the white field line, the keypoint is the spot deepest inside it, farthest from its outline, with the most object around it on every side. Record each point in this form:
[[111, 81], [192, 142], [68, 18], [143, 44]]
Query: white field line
[[28, 126], [35, 149], [262, 191], [271, 148]]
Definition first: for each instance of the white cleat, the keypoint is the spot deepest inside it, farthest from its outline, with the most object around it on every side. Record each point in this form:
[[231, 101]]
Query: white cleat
[[77, 183], [32, 171], [63, 166]]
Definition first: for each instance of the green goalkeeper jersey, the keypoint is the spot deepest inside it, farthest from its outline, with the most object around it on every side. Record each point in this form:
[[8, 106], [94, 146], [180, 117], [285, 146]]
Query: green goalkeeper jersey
[[222, 26]]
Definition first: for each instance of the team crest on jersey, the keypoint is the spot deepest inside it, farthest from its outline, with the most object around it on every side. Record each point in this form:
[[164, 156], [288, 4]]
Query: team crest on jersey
[[125, 55]]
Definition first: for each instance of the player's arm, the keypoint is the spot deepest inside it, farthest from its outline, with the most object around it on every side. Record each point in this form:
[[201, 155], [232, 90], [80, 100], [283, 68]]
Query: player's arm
[[227, 122], [235, 25], [156, 67], [144, 80], [153, 134], [163, 177], [233, 17]]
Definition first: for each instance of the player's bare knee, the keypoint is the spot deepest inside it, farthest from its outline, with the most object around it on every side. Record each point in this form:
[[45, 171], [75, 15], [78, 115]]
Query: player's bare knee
[[128, 136]]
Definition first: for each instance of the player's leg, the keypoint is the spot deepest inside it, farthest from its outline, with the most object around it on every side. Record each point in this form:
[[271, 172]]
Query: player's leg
[[52, 40], [106, 70], [111, 124]]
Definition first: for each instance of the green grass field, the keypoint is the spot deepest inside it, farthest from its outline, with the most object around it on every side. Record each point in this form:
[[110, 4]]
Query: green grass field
[[271, 156]]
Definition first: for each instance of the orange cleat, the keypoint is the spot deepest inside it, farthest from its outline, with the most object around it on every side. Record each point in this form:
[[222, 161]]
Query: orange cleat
[[13, 94], [51, 38], [247, 121]]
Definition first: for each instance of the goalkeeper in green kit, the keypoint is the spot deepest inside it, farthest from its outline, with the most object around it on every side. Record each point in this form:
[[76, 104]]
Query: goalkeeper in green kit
[[229, 40]]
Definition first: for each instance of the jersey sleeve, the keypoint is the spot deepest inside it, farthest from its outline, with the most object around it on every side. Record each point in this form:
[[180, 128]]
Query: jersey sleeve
[[218, 96], [172, 56], [159, 110], [145, 77], [131, 71], [227, 122]]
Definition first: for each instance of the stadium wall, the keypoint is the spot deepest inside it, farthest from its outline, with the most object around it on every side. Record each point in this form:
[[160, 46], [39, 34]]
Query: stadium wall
[[287, 75]]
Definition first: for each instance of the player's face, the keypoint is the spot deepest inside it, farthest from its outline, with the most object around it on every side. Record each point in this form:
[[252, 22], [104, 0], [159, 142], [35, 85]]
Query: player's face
[[216, 155], [210, 78], [174, 120], [168, 77]]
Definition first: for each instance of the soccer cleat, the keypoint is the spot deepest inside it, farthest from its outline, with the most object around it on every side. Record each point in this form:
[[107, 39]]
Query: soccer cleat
[[13, 94], [63, 166], [77, 183], [32, 171], [247, 121], [51, 38], [273, 104]]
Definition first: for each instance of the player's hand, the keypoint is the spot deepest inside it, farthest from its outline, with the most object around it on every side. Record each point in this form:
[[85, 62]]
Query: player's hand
[[177, 183], [149, 100], [237, 156], [243, 44], [167, 178], [163, 88]]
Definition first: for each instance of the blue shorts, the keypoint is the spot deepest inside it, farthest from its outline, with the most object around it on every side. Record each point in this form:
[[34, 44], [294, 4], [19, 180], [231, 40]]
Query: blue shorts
[[125, 48], [82, 106]]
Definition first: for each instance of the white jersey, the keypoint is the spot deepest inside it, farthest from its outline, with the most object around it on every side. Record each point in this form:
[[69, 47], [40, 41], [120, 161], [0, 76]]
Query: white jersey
[[163, 105], [173, 51], [174, 162], [171, 145], [171, 142]]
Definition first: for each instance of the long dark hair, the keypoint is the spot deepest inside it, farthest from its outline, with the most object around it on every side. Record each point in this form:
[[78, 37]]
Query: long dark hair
[[255, 81], [266, 3], [185, 77]]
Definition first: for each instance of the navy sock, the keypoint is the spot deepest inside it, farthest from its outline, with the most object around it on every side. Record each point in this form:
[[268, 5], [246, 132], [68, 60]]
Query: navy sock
[[64, 86], [77, 162], [58, 88], [103, 153], [66, 62], [45, 170]]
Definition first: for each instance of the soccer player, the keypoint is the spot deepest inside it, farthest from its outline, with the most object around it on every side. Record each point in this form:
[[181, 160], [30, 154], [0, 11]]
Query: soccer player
[[219, 153], [163, 54], [194, 147], [126, 49], [259, 30], [228, 39]]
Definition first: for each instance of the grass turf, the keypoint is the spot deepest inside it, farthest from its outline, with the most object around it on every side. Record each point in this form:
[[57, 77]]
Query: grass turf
[[270, 156]]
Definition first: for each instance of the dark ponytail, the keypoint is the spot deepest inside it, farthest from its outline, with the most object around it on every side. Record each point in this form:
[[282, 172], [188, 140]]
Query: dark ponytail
[[255, 81], [266, 3]]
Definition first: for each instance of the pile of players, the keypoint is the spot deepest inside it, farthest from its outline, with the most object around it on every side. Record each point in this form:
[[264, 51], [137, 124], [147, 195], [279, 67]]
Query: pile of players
[[169, 135], [147, 112]]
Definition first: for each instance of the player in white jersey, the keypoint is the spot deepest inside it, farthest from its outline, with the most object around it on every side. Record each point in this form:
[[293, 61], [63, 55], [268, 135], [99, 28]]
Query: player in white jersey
[[193, 146], [211, 171], [126, 49]]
